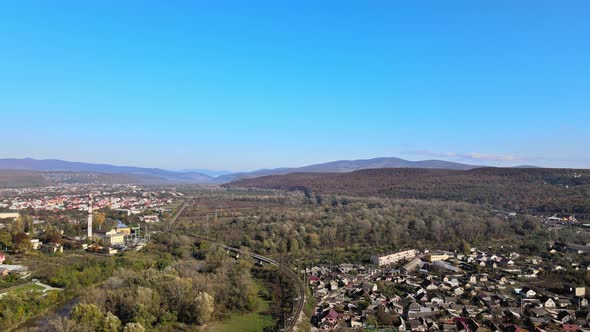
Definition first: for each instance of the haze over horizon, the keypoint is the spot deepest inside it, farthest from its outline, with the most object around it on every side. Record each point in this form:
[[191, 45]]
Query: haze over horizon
[[244, 86]]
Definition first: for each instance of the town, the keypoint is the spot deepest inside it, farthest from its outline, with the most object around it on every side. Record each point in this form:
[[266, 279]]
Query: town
[[476, 290], [95, 219]]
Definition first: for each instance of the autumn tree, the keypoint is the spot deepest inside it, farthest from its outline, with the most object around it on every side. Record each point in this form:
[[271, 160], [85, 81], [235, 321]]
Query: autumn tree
[[22, 244], [99, 218]]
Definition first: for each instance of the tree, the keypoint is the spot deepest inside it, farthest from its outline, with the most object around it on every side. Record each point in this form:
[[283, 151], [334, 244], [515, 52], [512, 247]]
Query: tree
[[22, 244], [5, 239], [18, 225], [133, 327], [206, 306], [52, 236], [111, 323], [99, 218], [87, 315], [465, 247]]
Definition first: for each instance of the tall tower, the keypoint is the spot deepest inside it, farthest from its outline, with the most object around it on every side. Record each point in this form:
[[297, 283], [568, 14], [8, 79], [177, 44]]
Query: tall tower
[[89, 216]]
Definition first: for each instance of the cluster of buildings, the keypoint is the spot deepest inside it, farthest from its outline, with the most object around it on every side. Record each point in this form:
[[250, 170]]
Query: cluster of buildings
[[131, 204], [440, 291]]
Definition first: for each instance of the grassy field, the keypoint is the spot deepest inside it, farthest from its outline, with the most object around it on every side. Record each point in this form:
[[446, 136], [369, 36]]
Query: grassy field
[[255, 321], [24, 289]]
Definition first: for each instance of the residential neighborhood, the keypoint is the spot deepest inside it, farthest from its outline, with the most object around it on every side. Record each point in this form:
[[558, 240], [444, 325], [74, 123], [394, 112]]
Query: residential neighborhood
[[443, 291]]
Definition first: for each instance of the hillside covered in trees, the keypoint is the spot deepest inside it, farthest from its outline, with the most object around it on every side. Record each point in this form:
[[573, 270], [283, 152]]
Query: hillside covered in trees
[[539, 190]]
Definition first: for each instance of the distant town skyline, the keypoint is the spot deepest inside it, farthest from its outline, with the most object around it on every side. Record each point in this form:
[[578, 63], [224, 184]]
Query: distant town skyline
[[262, 84]]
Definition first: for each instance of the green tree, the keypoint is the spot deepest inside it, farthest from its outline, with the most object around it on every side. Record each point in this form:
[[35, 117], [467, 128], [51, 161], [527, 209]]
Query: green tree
[[87, 315], [5, 239], [18, 225], [111, 323], [465, 247]]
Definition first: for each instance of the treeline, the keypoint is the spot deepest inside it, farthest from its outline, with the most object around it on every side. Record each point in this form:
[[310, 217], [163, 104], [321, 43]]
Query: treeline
[[539, 190], [344, 222]]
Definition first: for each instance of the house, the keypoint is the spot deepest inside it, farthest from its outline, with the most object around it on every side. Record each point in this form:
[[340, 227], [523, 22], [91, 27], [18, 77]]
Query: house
[[35, 244], [18, 270], [3, 272], [9, 215], [564, 316], [412, 265], [446, 266], [369, 287], [329, 319], [506, 262], [548, 303], [313, 280], [527, 292], [429, 285], [2, 258], [52, 248], [570, 327]]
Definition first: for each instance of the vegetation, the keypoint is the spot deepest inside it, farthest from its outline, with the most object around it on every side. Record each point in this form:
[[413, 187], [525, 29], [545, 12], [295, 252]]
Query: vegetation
[[524, 190], [172, 291], [365, 224]]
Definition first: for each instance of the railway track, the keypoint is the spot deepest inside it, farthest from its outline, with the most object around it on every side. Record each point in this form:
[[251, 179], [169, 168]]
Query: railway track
[[291, 321]]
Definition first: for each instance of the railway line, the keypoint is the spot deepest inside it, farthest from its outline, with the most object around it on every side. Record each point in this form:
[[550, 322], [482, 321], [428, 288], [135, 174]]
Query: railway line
[[291, 321]]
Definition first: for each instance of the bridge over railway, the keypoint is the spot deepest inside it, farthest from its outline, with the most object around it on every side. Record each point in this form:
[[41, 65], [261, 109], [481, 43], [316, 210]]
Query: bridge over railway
[[291, 321], [299, 301]]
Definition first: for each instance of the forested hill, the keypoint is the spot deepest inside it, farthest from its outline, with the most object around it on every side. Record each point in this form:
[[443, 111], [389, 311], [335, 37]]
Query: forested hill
[[540, 189]]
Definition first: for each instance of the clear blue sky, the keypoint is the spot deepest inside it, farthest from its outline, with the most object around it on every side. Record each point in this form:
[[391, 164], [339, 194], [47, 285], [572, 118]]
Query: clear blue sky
[[249, 84]]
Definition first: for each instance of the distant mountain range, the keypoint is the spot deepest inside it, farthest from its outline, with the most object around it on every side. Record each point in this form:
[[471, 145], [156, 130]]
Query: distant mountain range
[[134, 174], [345, 166], [53, 171]]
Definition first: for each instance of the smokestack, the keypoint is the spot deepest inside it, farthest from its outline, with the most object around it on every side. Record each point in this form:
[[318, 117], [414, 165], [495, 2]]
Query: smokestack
[[89, 216]]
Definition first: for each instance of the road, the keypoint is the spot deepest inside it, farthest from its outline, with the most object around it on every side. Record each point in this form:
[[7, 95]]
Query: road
[[178, 212]]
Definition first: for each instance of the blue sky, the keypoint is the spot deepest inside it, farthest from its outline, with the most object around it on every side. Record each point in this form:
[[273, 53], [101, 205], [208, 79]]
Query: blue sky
[[242, 85]]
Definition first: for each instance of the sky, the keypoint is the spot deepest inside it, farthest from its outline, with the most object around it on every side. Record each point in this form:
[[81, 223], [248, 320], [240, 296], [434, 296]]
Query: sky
[[242, 85]]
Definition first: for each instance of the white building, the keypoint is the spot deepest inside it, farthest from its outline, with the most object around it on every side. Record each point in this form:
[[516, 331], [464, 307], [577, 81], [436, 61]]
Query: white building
[[393, 258]]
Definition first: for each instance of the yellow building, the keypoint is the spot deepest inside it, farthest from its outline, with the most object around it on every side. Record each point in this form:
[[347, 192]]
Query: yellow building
[[114, 239], [433, 257], [109, 238], [123, 229]]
